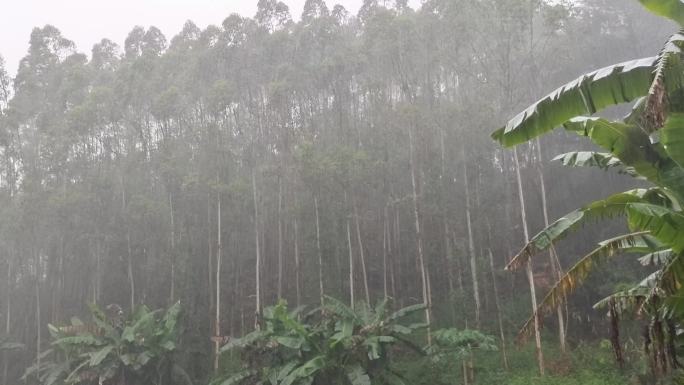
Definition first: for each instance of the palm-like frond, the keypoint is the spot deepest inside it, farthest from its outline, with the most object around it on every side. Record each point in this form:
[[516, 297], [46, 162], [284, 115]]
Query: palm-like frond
[[616, 84], [603, 160], [610, 207], [632, 299], [665, 224], [577, 274], [657, 258], [629, 143]]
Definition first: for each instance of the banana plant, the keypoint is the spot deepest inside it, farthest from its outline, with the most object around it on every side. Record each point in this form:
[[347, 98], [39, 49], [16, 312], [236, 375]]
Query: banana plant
[[113, 349], [648, 144], [333, 344]]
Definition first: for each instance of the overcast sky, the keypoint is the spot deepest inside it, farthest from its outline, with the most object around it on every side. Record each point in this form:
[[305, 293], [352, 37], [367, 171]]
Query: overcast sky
[[88, 21]]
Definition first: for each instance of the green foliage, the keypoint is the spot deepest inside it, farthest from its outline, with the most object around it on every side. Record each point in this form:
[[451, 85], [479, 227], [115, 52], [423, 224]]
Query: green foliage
[[334, 344], [654, 215], [112, 350]]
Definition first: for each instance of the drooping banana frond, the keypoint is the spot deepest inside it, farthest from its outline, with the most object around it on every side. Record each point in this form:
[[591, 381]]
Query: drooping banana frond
[[657, 258], [665, 224], [608, 208], [672, 9], [617, 84], [632, 299], [633, 147], [603, 160], [668, 79], [579, 272], [626, 142]]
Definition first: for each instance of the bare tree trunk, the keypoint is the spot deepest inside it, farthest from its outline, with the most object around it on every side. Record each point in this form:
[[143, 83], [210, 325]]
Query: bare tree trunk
[[172, 295], [210, 272], [131, 279], [553, 257], [499, 319], [257, 311], [361, 253], [217, 295], [419, 240], [8, 319], [471, 247], [280, 238], [318, 251], [351, 261], [385, 246], [297, 266], [39, 321], [530, 273]]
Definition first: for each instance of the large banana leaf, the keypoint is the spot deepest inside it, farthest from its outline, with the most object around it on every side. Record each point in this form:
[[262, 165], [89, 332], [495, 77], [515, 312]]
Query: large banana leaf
[[607, 208], [617, 84], [665, 224], [672, 137], [628, 143], [604, 160], [578, 273], [632, 298], [633, 147], [657, 258], [672, 9]]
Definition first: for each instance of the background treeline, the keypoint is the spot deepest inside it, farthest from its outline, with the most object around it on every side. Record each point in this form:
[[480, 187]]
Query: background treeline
[[340, 154]]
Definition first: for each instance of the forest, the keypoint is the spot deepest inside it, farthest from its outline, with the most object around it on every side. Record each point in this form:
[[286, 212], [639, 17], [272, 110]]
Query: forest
[[339, 198]]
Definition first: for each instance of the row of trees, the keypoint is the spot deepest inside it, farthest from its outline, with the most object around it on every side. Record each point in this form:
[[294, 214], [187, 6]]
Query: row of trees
[[270, 159]]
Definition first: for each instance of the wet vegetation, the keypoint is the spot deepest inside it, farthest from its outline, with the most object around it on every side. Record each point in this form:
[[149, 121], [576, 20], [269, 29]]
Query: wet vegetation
[[318, 200]]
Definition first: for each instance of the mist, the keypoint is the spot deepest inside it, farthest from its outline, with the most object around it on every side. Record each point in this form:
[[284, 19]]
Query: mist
[[312, 193]]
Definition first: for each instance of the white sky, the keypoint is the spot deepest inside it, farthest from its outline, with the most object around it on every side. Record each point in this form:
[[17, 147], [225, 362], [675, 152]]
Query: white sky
[[86, 22]]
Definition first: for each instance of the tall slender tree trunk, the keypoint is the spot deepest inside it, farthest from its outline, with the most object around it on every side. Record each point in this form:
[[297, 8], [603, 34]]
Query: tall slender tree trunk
[[530, 272], [318, 251], [210, 272], [257, 311], [172, 294], [361, 253], [280, 238], [351, 261], [499, 319], [471, 247], [8, 319], [217, 279], [553, 257], [385, 246], [39, 321], [419, 240], [297, 264], [131, 279], [445, 221]]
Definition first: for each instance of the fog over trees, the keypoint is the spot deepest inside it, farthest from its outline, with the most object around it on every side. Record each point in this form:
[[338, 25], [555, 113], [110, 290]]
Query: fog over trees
[[338, 156]]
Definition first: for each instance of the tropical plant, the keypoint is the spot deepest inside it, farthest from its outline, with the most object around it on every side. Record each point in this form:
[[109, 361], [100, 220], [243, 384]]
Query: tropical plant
[[648, 144], [333, 344], [113, 350]]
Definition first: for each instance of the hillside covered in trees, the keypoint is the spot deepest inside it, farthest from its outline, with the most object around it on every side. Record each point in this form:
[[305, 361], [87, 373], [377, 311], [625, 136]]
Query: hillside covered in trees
[[322, 159]]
